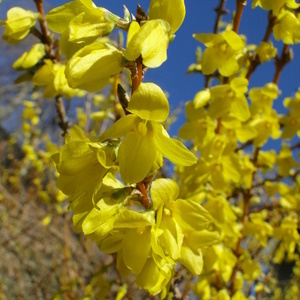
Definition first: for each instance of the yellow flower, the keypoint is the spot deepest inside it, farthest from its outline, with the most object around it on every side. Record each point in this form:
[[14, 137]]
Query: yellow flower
[[51, 76], [91, 67], [150, 41], [81, 165], [18, 24], [145, 136], [183, 224], [221, 52], [31, 58], [80, 22]]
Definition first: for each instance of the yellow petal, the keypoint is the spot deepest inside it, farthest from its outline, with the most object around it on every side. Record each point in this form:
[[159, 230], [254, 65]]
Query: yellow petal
[[149, 102], [91, 67], [137, 153], [151, 42], [172, 11]]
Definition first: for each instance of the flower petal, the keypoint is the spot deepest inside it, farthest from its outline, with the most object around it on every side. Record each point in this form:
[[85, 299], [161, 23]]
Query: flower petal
[[172, 11], [119, 128], [136, 248], [192, 260], [136, 155], [149, 102], [163, 190], [172, 149]]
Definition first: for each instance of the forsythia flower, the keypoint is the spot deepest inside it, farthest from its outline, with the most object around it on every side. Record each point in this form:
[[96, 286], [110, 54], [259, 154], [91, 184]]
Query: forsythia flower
[[199, 127], [266, 126], [287, 28], [275, 5], [221, 52], [82, 164], [51, 76], [289, 238], [135, 241], [286, 162], [266, 51], [150, 41], [18, 24], [230, 98], [80, 22], [91, 67], [31, 58], [292, 120], [148, 244], [145, 137], [183, 224], [262, 99]]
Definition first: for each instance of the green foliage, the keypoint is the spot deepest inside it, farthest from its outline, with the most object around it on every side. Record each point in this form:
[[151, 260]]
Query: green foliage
[[230, 212]]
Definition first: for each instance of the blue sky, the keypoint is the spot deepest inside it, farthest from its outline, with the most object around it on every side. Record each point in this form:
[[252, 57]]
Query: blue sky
[[200, 17]]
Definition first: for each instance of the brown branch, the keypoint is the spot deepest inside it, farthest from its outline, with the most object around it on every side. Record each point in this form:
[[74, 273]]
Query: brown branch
[[219, 126], [64, 123], [220, 10], [240, 5], [295, 146], [137, 74], [286, 57], [255, 61], [46, 37], [143, 187], [245, 145], [34, 31], [258, 208]]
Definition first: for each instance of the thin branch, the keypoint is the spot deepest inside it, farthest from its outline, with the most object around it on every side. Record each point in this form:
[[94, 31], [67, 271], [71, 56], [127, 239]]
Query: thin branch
[[258, 208], [46, 37], [245, 145], [293, 147], [255, 62], [219, 126], [64, 123], [220, 10], [34, 31], [240, 5], [143, 187], [281, 61], [137, 75]]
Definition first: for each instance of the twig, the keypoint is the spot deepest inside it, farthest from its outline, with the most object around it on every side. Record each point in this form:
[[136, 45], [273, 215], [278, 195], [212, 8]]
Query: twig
[[295, 146], [45, 37], [137, 75], [285, 58], [255, 62], [143, 188], [64, 123], [219, 126], [240, 5], [220, 10], [245, 145]]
